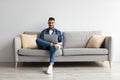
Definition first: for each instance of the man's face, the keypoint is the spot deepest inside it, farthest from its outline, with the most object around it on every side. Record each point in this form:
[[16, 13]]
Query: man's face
[[51, 24]]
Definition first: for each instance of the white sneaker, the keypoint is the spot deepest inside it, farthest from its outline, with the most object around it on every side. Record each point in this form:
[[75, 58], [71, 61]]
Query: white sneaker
[[50, 70]]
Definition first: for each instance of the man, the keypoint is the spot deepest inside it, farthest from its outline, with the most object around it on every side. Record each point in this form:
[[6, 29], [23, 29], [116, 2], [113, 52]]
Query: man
[[46, 45]]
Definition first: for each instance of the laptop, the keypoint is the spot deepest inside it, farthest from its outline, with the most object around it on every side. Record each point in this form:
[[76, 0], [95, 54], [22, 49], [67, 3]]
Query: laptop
[[51, 38]]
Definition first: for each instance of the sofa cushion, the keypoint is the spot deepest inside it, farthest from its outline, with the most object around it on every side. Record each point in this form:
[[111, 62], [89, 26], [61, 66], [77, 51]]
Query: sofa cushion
[[77, 39], [95, 41], [84, 51], [35, 52]]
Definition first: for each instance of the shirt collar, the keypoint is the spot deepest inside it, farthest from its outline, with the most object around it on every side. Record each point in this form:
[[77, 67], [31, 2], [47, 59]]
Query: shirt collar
[[53, 29]]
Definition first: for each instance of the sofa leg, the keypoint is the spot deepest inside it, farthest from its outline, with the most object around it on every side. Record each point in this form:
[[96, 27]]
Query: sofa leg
[[110, 63], [16, 65]]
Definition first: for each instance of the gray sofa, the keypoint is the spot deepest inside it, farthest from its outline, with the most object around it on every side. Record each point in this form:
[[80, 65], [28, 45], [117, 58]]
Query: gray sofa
[[73, 51]]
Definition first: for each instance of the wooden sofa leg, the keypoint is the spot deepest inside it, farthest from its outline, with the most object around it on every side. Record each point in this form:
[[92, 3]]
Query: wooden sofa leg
[[110, 64], [16, 65]]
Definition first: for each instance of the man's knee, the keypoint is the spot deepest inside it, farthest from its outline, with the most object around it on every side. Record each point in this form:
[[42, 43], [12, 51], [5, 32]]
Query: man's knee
[[37, 40]]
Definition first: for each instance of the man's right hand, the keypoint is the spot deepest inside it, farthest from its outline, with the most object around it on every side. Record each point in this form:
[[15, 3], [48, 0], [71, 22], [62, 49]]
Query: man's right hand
[[52, 44]]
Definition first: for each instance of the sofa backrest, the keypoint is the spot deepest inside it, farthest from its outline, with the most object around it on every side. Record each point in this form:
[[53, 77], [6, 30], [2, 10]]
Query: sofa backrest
[[30, 32], [77, 39], [73, 39]]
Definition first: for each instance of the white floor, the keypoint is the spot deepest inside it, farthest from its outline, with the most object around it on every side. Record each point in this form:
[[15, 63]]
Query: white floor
[[63, 71]]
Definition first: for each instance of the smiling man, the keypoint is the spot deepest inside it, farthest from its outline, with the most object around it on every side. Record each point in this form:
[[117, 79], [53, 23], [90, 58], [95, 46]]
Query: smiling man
[[47, 45]]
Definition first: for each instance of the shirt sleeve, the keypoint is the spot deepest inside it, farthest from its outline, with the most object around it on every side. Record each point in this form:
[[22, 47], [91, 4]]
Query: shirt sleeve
[[60, 37]]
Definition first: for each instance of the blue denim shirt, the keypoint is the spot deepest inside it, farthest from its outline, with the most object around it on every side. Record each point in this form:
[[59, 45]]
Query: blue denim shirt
[[55, 31]]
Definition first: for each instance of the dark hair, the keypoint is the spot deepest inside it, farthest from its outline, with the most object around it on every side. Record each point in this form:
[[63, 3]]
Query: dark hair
[[51, 18]]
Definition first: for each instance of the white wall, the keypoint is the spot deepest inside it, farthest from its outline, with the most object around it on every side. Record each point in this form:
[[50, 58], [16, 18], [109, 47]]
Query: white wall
[[17, 16]]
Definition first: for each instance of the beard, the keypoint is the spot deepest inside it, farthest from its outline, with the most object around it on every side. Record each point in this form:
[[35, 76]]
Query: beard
[[51, 27]]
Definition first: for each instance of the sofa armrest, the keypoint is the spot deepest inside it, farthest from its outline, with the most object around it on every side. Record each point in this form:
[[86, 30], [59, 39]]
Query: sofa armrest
[[108, 45], [17, 46]]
